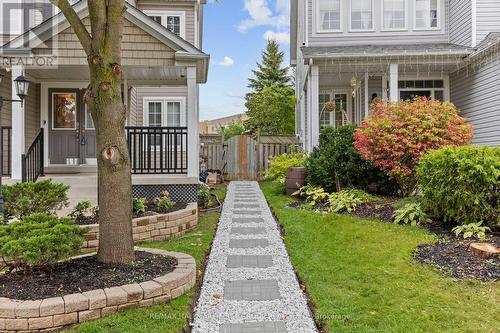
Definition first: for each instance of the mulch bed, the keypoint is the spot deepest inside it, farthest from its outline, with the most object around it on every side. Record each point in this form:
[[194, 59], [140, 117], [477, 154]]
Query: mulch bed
[[151, 210], [450, 254], [453, 257], [83, 274]]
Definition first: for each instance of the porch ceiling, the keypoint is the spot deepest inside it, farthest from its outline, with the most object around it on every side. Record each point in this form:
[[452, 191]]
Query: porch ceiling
[[135, 75]]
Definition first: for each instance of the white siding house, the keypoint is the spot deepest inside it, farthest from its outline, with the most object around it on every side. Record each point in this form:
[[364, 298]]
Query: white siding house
[[350, 51]]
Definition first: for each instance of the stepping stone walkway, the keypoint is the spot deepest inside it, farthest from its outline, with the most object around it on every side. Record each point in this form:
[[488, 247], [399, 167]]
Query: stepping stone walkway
[[249, 284]]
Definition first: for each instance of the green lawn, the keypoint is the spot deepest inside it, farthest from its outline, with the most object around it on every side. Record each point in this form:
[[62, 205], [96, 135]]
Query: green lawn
[[361, 276], [168, 318]]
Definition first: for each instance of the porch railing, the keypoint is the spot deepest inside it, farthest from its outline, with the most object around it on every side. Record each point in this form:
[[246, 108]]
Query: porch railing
[[158, 150], [32, 160], [6, 153]]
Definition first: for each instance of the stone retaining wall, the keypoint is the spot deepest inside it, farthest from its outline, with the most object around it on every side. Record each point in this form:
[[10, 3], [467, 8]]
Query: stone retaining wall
[[151, 228], [51, 314]]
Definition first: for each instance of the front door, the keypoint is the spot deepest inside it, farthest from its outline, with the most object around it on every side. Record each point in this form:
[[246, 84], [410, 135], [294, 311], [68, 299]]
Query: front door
[[71, 130]]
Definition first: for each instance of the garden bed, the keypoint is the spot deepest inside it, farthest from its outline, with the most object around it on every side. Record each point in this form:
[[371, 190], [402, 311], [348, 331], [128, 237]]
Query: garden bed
[[56, 312], [83, 274]]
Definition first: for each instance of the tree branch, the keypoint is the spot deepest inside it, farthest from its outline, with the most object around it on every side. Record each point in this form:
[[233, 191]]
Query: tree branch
[[77, 24], [97, 14], [116, 8]]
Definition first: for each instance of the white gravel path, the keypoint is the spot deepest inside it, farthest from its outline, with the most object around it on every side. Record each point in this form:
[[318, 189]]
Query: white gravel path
[[213, 309]]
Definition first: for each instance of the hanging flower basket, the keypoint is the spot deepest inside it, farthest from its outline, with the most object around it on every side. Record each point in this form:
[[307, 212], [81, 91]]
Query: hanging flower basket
[[330, 106]]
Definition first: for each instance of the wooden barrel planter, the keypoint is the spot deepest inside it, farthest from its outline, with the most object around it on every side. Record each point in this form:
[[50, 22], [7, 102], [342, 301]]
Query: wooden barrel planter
[[295, 179]]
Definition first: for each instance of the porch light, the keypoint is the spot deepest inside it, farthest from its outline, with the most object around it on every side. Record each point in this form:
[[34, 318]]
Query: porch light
[[22, 86]]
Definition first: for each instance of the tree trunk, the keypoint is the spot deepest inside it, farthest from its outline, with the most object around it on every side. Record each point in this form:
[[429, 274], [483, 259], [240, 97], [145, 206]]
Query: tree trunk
[[104, 99]]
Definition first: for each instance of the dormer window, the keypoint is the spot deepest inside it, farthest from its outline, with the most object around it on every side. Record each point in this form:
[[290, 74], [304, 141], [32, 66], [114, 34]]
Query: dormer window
[[361, 15], [427, 14], [329, 15], [173, 21]]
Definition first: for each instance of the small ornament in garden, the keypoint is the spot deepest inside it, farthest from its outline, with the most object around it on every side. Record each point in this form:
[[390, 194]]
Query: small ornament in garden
[[330, 106], [484, 250]]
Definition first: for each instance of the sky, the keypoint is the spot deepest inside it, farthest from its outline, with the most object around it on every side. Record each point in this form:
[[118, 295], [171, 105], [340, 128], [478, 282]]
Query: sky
[[235, 34]]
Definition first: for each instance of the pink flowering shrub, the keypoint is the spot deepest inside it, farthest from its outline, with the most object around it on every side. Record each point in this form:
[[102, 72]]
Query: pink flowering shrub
[[394, 137]]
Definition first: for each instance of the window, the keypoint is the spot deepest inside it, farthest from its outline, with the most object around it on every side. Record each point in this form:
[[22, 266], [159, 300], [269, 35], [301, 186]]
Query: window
[[427, 14], [173, 21], [394, 14], [329, 15], [361, 15], [164, 111], [173, 114], [409, 89], [339, 116]]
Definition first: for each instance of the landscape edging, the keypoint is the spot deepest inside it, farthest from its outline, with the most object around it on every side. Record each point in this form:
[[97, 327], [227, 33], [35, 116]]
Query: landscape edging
[[56, 312]]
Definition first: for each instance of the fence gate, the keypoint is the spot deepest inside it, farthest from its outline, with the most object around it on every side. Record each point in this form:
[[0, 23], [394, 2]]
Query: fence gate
[[241, 158]]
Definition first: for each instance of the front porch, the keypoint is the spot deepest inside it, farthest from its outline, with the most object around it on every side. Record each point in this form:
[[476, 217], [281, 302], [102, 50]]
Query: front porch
[[352, 77]]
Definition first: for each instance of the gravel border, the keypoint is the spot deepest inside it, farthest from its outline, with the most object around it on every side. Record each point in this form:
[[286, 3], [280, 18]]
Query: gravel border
[[213, 310]]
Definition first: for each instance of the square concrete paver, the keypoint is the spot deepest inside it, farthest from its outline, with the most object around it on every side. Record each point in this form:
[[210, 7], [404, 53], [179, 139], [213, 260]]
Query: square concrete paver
[[248, 220], [258, 261], [260, 327], [248, 230], [241, 205], [251, 290], [246, 212], [248, 243]]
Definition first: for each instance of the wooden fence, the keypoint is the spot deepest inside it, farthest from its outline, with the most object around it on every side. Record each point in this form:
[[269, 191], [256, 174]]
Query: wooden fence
[[244, 157]]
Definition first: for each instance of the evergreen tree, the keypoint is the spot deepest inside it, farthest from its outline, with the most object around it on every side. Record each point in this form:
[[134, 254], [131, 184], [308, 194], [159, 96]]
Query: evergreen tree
[[270, 72]]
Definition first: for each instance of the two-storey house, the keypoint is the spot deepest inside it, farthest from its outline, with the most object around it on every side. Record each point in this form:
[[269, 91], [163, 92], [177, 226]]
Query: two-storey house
[[163, 65], [352, 51]]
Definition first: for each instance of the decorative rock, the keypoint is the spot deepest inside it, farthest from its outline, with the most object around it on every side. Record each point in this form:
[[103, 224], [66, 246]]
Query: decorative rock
[[75, 302], [97, 299], [52, 306], [484, 250]]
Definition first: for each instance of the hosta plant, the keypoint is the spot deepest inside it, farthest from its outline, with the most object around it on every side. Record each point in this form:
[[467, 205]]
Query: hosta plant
[[411, 213], [471, 230], [139, 205], [343, 201], [164, 202], [314, 195]]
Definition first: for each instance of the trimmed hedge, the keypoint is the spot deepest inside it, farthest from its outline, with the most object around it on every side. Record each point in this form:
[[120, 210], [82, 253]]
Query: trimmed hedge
[[462, 184], [335, 164]]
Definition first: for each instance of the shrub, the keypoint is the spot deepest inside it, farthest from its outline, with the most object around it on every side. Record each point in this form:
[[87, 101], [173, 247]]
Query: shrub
[[280, 164], [40, 240], [204, 198], [394, 137], [335, 164], [471, 230], [343, 201], [462, 185], [312, 194], [139, 206], [81, 209], [411, 213], [164, 203], [23, 199]]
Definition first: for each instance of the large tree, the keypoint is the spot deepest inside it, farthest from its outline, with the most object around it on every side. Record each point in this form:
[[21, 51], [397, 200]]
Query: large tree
[[271, 71], [102, 45]]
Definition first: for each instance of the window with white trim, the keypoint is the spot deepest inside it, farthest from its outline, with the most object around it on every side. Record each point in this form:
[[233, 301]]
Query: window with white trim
[[361, 14], [173, 21], [164, 111], [427, 14], [329, 15], [394, 14]]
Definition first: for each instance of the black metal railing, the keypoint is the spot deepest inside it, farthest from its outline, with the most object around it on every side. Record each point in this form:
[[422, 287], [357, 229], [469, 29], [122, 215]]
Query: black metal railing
[[6, 153], [32, 160], [158, 150]]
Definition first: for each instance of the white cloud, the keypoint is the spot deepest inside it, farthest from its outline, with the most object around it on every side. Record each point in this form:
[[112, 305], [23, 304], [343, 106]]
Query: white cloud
[[226, 62], [262, 15], [281, 37]]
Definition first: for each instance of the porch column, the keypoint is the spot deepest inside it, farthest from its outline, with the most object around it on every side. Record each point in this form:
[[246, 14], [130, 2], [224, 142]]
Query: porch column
[[384, 88], [367, 95], [314, 105], [18, 133], [192, 124], [393, 82]]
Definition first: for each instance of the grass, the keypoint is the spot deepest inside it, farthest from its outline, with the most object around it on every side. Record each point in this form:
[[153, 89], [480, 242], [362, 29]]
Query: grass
[[361, 276], [171, 317]]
